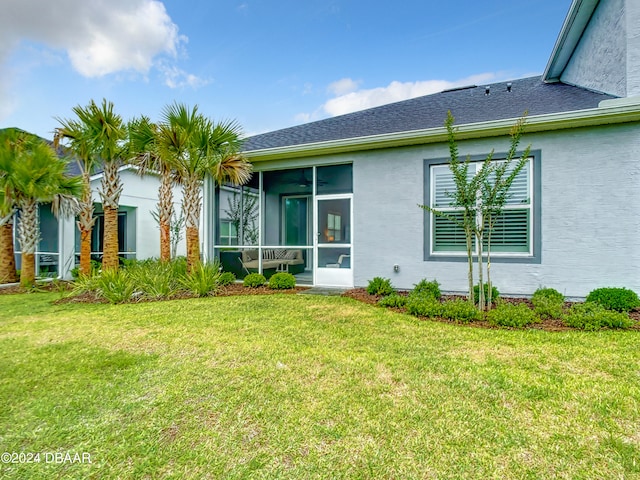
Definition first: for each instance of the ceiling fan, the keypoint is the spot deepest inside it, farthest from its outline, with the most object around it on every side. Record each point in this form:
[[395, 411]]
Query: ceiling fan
[[304, 182]]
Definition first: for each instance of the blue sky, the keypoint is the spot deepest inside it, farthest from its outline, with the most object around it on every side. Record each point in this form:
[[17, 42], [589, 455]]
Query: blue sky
[[268, 64]]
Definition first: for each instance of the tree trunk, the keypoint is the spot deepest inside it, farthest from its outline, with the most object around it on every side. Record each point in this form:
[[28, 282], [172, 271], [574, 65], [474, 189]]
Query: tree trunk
[[7, 256], [165, 212], [193, 248], [86, 220], [85, 252], [489, 285], [191, 204], [111, 190], [110, 240], [28, 270], [481, 303], [165, 242], [469, 239], [29, 235]]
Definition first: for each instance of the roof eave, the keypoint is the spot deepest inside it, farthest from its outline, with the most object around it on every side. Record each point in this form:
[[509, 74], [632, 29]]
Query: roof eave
[[574, 25], [609, 112]]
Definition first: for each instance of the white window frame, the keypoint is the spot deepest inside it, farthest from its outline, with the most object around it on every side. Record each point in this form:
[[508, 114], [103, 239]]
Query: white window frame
[[474, 166]]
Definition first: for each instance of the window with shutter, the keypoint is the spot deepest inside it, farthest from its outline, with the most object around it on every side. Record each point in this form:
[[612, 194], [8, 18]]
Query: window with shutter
[[512, 231]]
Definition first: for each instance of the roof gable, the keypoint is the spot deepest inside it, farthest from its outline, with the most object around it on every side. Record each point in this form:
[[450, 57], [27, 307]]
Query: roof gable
[[575, 23]]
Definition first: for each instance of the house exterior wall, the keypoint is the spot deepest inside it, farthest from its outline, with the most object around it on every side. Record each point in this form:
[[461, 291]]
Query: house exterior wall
[[599, 62], [633, 48], [140, 195], [590, 227]]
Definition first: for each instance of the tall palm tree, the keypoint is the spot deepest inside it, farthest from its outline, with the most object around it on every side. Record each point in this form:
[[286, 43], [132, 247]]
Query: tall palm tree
[[8, 144], [76, 135], [144, 147], [103, 135], [197, 147], [39, 176]]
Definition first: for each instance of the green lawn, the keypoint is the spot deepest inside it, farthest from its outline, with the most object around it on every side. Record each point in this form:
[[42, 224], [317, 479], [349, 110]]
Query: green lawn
[[308, 387]]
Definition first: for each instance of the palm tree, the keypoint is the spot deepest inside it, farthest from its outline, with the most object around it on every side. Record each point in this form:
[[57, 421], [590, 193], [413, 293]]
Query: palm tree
[[144, 141], [77, 136], [8, 138], [197, 147], [39, 176], [101, 135]]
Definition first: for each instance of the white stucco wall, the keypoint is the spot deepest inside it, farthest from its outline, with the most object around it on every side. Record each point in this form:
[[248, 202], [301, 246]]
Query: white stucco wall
[[141, 194], [633, 47], [590, 224], [599, 61]]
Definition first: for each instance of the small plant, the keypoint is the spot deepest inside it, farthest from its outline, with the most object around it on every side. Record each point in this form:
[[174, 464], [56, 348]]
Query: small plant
[[431, 289], [393, 301], [154, 279], [460, 311], [254, 280], [227, 278], [611, 298], [548, 302], [203, 279], [512, 315], [116, 286], [424, 306], [282, 281], [495, 294], [380, 286], [593, 316]]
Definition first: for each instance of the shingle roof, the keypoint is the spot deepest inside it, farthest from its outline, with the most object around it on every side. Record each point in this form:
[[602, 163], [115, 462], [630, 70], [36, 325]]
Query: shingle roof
[[468, 105]]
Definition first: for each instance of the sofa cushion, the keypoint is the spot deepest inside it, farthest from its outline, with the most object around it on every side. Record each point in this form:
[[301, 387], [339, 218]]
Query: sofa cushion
[[249, 255], [291, 254]]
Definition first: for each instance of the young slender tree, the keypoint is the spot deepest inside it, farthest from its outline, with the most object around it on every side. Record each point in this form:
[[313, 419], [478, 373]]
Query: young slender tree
[[496, 190], [480, 197], [465, 197]]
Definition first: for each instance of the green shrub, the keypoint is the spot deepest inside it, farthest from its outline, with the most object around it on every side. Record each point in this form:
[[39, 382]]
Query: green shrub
[[154, 279], [611, 298], [495, 294], [282, 281], [227, 278], [431, 288], [178, 267], [203, 279], [380, 286], [424, 306], [593, 316], [548, 303], [512, 315], [254, 280], [95, 269], [393, 301], [84, 284], [116, 286], [460, 311]]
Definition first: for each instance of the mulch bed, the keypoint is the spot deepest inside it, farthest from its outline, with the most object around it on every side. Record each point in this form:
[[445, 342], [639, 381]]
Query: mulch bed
[[359, 294], [226, 291], [549, 325], [234, 289]]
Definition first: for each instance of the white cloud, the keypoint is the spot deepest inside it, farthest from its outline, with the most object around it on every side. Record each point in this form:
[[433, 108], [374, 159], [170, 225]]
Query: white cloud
[[99, 36], [396, 91], [343, 86], [175, 77]]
